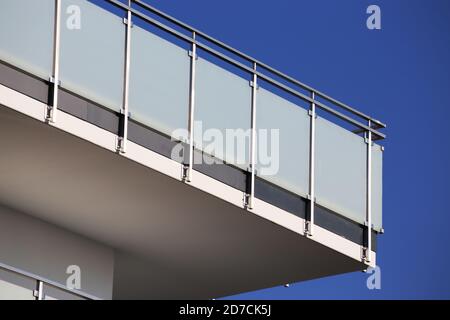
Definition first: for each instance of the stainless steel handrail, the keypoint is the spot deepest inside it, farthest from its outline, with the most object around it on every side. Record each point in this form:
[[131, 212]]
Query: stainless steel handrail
[[373, 128], [253, 60]]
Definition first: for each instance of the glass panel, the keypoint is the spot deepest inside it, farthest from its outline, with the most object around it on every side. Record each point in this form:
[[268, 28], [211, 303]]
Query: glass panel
[[92, 52], [26, 35], [53, 293], [16, 287], [341, 170], [283, 142], [223, 107], [159, 82], [377, 187]]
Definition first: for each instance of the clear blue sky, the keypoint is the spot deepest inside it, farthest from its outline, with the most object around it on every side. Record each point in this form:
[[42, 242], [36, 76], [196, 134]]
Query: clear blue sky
[[400, 75]]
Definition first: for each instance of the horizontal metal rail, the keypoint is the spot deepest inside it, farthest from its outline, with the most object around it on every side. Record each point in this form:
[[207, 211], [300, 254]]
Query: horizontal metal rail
[[378, 135], [292, 91], [253, 60]]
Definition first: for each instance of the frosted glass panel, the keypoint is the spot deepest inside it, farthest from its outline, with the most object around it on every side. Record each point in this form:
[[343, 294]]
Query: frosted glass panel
[[341, 170], [377, 187], [26, 35], [159, 82], [283, 142], [92, 56], [16, 287], [223, 105]]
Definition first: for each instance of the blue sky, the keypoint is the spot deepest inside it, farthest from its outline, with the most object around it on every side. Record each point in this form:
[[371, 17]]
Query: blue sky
[[400, 75]]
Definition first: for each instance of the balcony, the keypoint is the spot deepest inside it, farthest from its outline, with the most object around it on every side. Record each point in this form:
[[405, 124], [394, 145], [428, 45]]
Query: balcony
[[189, 168]]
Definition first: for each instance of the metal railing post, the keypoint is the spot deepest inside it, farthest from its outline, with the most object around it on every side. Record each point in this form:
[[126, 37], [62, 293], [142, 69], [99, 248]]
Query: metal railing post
[[368, 249], [54, 79], [254, 84], [309, 223], [123, 134], [193, 54], [39, 292]]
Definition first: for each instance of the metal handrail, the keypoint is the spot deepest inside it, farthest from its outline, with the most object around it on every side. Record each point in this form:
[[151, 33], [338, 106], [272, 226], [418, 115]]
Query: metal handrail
[[373, 128], [253, 60]]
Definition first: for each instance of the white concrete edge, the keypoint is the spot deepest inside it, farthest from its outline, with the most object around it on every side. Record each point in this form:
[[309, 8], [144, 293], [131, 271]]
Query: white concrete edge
[[85, 131], [320, 235], [22, 103], [153, 160], [217, 189], [107, 140]]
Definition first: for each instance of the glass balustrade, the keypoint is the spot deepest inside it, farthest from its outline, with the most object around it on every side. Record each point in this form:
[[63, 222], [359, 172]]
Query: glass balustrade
[[283, 135], [341, 160], [92, 52], [377, 187], [222, 113], [26, 35], [17, 285], [159, 82], [14, 286], [92, 64]]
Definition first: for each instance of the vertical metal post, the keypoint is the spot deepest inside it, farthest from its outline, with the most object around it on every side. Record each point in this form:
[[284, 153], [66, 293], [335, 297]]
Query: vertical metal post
[[309, 223], [54, 79], [39, 292], [253, 138], [122, 139], [193, 54], [369, 195]]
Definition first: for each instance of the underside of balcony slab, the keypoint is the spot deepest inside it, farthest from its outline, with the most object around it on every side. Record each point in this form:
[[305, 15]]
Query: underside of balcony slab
[[171, 240]]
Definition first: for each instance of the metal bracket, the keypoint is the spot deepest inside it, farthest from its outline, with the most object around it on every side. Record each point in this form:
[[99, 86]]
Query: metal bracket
[[365, 254], [185, 174], [246, 200], [125, 21], [308, 228], [249, 169], [122, 112], [366, 141], [49, 112], [52, 80], [252, 84], [367, 224], [190, 54], [310, 113], [120, 145], [36, 295], [308, 224]]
